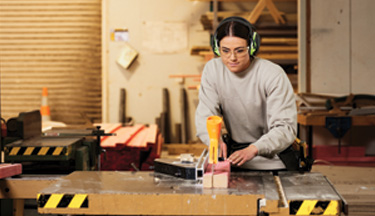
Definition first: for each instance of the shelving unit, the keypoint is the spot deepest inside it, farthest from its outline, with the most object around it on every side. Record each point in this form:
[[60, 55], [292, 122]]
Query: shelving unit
[[278, 31]]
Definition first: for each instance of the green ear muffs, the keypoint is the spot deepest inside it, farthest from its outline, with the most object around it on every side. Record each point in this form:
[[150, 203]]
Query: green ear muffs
[[254, 38]]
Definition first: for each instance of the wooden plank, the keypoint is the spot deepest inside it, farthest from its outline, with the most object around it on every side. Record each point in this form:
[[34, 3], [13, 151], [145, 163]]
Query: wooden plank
[[255, 13], [139, 140], [289, 41], [152, 134], [275, 56], [274, 12], [8, 170], [159, 147], [124, 135], [265, 18], [278, 49]]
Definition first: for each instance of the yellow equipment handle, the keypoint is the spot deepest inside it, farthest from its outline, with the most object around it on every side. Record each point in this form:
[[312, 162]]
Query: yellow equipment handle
[[213, 129]]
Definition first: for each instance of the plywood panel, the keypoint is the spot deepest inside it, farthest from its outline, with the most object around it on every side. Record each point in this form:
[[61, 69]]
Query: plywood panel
[[330, 53], [362, 46]]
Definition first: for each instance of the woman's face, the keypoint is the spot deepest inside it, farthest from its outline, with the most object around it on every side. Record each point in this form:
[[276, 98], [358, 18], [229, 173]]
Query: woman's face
[[234, 53]]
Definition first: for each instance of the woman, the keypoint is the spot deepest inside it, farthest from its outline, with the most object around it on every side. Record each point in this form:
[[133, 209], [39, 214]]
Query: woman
[[253, 95]]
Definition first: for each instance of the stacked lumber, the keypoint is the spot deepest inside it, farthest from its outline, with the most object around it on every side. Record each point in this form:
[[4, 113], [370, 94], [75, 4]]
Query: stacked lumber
[[8, 170], [355, 184], [133, 148], [278, 41]]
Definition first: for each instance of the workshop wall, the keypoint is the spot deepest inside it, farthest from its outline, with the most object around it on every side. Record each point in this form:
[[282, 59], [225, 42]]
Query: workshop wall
[[342, 46], [54, 44], [165, 53]]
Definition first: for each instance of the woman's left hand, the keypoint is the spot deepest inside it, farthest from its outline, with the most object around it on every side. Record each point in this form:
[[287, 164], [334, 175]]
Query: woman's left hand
[[241, 156]]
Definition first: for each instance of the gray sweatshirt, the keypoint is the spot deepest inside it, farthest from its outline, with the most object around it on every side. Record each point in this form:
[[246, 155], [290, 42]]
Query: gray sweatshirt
[[257, 106]]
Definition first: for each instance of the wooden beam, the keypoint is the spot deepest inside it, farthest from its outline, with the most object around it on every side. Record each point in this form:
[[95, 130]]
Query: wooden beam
[[290, 41], [255, 13], [259, 7], [275, 13], [278, 49]]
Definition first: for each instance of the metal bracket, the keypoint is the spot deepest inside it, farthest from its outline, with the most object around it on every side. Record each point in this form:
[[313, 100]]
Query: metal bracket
[[338, 126]]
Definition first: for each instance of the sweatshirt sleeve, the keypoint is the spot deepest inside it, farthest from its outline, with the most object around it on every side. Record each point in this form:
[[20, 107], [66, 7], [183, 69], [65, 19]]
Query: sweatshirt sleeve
[[281, 116], [208, 102]]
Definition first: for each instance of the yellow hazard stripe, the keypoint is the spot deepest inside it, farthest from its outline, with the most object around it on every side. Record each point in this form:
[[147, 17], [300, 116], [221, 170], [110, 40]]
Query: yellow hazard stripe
[[315, 207], [69, 150], [332, 208], [72, 201], [29, 150], [306, 207], [43, 151], [57, 151], [77, 201], [14, 151], [53, 201]]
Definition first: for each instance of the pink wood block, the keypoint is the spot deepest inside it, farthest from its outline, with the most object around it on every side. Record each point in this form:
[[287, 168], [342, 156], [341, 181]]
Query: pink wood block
[[220, 180], [207, 180], [8, 170], [221, 166], [220, 177]]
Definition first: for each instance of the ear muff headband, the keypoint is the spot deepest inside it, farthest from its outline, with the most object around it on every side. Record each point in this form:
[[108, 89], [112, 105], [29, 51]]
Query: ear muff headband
[[254, 39]]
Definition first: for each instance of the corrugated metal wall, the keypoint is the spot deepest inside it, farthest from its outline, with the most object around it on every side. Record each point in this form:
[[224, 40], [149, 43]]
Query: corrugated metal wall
[[54, 44]]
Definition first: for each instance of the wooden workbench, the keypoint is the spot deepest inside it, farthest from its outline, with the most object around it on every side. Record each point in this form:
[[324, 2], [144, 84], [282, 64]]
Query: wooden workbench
[[148, 193], [355, 184], [319, 120], [309, 120]]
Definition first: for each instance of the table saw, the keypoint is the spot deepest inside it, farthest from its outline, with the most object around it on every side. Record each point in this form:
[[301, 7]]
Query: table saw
[[149, 193], [56, 151]]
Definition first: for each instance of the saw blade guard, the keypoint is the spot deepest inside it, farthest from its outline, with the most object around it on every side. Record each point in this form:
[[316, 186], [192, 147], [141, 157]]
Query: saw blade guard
[[213, 129]]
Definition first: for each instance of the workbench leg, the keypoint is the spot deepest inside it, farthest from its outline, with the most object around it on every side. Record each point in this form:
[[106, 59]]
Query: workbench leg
[[308, 136], [6, 207], [18, 207]]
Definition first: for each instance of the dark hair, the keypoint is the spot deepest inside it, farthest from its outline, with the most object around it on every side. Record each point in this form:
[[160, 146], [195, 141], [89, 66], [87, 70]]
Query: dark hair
[[233, 28]]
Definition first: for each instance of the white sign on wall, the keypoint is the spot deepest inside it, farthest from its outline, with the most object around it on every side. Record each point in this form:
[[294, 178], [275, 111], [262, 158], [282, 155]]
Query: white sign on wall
[[165, 37]]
